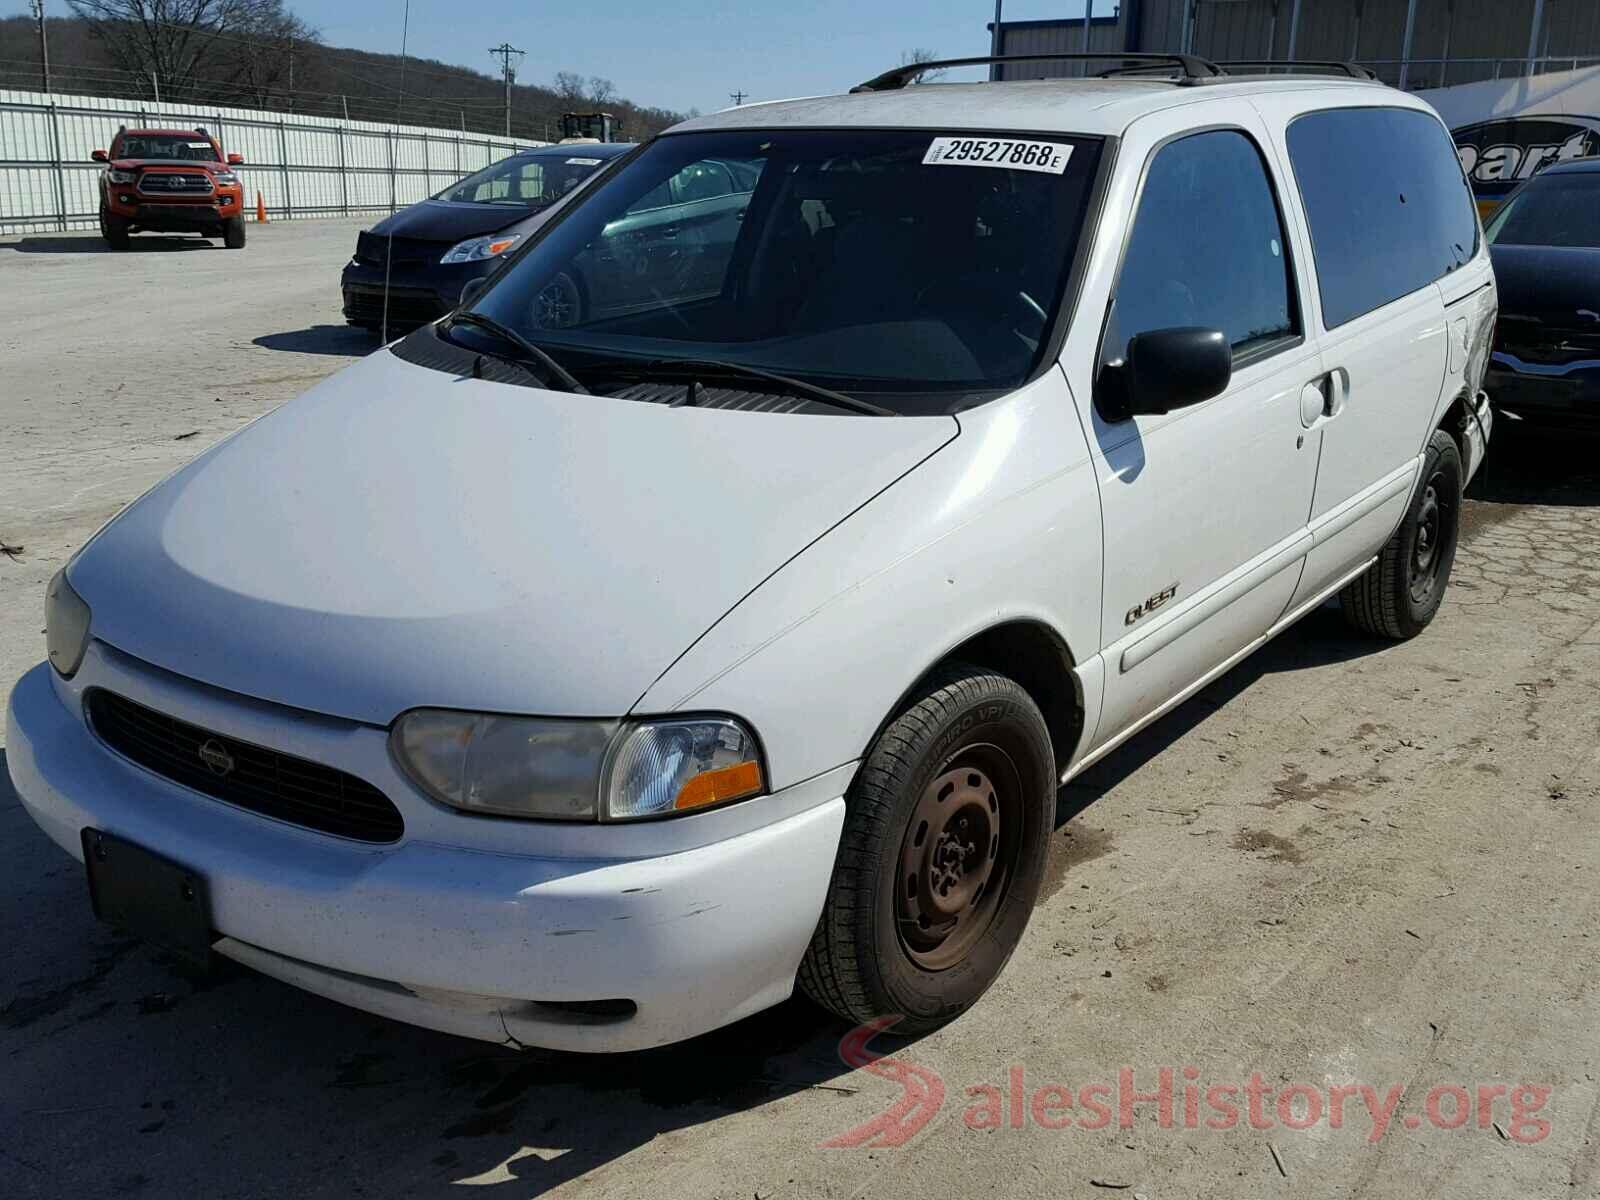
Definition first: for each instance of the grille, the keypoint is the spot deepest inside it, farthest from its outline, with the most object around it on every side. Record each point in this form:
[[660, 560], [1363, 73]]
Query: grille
[[373, 249], [261, 780], [175, 183], [407, 306]]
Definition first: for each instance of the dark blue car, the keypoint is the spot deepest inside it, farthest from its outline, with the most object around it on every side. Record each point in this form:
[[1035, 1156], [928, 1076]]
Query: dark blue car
[[461, 234]]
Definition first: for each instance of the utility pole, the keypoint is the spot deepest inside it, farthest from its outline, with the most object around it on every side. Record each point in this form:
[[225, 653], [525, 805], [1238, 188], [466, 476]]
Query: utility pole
[[44, 44], [737, 97], [505, 50]]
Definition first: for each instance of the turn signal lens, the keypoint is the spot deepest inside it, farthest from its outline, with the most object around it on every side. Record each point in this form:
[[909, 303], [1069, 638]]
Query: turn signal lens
[[725, 783]]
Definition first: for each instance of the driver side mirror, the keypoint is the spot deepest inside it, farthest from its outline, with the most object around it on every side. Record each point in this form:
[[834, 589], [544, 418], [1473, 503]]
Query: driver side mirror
[[1164, 369], [236, 160], [100, 156], [472, 289]]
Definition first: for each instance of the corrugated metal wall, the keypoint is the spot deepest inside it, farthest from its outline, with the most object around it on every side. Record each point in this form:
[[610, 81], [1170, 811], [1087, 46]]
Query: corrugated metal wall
[[302, 166], [1480, 38]]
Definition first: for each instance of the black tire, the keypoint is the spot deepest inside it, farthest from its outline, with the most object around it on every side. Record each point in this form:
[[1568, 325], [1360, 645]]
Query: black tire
[[875, 952], [560, 304], [1399, 595], [233, 233], [114, 229]]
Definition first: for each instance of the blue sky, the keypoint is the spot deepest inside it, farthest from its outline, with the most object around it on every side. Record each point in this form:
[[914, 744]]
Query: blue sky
[[682, 53]]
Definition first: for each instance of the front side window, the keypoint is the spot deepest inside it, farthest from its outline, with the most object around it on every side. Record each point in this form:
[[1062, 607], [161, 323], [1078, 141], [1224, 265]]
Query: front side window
[[1389, 209], [1207, 249], [861, 260], [1553, 210]]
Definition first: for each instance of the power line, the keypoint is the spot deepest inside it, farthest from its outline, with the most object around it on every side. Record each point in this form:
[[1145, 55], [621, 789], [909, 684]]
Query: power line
[[737, 97], [505, 50]]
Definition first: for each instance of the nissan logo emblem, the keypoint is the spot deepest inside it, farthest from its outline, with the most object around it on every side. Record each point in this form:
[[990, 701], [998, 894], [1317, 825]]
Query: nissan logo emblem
[[216, 757]]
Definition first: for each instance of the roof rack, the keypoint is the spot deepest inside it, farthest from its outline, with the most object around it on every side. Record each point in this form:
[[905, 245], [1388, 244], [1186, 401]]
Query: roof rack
[[1353, 70], [1193, 69]]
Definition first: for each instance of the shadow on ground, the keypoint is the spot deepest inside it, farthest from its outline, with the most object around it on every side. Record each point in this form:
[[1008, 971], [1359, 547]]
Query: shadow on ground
[[1532, 466], [344, 340], [89, 243]]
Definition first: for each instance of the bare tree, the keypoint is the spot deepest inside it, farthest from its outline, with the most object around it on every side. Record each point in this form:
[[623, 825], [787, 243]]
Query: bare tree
[[182, 42], [911, 57], [569, 87], [601, 91]]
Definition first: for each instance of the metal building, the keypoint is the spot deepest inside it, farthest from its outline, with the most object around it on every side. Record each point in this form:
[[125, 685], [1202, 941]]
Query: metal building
[[1410, 43]]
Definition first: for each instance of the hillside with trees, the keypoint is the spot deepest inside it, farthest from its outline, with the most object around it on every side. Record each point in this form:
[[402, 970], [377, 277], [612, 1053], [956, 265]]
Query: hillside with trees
[[259, 54]]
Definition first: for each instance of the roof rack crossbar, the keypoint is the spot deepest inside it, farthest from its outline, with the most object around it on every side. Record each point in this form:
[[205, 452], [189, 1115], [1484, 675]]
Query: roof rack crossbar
[[1193, 68], [1330, 67]]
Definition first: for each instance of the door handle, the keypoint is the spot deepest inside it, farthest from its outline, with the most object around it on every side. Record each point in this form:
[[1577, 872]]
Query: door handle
[[1322, 399]]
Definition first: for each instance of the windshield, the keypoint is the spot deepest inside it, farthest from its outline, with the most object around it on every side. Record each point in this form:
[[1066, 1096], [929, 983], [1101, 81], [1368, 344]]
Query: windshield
[[913, 267], [191, 147], [524, 180], [1554, 210]]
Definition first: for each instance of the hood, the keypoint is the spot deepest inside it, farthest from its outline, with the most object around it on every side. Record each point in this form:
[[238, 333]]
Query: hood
[[1554, 286], [168, 164], [442, 221], [400, 537]]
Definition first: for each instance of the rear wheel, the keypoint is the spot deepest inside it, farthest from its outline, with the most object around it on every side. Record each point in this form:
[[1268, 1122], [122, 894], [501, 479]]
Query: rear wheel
[[939, 864], [1401, 592], [233, 233], [114, 229]]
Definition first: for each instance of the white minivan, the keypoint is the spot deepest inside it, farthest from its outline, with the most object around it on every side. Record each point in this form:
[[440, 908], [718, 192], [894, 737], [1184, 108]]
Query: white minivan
[[586, 674]]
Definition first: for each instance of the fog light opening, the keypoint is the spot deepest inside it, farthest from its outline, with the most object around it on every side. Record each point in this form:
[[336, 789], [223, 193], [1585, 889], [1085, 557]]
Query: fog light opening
[[582, 1012]]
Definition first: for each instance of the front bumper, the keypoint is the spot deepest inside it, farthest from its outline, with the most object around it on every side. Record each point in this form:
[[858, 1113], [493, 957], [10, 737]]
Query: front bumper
[[417, 295], [180, 216], [483, 935], [1558, 396]]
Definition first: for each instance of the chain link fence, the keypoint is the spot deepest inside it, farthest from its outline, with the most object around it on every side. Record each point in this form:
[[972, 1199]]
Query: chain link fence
[[300, 166]]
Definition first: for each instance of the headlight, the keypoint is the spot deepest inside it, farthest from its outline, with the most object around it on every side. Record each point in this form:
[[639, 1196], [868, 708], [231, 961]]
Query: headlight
[[665, 767], [575, 770], [66, 625], [513, 766], [120, 176], [479, 248], [226, 178]]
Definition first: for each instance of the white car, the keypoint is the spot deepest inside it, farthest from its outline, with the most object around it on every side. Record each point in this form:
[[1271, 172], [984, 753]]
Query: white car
[[584, 683]]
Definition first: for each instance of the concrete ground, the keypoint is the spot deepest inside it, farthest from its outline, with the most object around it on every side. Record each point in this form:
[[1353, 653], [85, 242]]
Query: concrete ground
[[1346, 863]]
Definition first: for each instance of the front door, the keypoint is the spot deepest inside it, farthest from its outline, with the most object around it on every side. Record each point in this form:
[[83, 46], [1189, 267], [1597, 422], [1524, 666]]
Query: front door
[[1205, 508]]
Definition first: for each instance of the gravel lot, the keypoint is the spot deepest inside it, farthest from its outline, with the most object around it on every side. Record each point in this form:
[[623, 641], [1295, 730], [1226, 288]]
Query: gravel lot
[[1346, 862]]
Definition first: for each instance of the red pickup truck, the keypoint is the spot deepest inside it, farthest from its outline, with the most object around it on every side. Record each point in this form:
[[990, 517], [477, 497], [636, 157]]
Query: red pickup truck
[[169, 181]]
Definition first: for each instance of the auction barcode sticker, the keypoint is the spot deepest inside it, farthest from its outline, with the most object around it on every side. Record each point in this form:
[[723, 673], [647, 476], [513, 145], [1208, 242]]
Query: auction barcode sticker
[[1009, 153]]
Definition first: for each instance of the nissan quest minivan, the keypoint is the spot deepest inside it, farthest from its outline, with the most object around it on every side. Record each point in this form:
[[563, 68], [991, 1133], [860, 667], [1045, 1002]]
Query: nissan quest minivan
[[586, 676]]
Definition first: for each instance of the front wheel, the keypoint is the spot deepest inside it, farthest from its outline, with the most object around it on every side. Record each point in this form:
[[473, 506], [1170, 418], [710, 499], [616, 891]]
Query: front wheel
[[233, 233], [114, 229], [1401, 592], [559, 304], [945, 837]]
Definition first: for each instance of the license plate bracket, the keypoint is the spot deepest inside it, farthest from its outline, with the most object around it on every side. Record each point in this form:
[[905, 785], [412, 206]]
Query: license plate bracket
[[150, 896]]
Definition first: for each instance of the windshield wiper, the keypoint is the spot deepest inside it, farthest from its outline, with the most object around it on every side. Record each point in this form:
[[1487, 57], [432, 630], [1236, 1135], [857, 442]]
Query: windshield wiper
[[505, 333], [794, 387]]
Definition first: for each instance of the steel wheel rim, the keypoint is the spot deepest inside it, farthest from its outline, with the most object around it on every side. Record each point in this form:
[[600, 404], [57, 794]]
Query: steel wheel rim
[[958, 856], [1430, 542]]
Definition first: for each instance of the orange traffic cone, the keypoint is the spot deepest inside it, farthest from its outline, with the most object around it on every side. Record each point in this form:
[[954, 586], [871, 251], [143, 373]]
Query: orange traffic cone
[[261, 210]]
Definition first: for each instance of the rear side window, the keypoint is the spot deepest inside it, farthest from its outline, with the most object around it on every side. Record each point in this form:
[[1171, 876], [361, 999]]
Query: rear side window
[[1207, 248], [1389, 209]]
